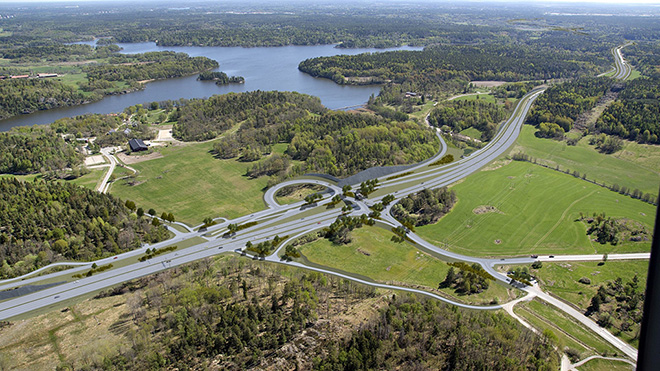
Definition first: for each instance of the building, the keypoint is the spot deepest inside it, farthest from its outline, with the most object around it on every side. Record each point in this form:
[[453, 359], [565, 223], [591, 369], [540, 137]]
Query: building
[[137, 145], [46, 75], [20, 76]]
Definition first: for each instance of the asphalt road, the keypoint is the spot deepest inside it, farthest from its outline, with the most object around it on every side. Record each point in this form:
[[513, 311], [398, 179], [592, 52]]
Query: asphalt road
[[297, 219]]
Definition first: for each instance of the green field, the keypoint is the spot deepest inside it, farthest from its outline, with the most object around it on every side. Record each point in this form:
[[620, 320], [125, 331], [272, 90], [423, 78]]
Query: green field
[[635, 166], [472, 133], [373, 255], [570, 333], [482, 97], [605, 365], [538, 208], [562, 278], [190, 183], [92, 179]]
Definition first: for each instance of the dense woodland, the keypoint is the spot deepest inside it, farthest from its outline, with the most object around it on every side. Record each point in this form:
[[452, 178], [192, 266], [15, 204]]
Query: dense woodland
[[220, 78], [462, 114], [148, 66], [22, 96], [110, 74], [203, 119], [35, 149], [425, 207], [238, 314], [636, 113], [336, 143], [439, 70], [561, 104], [43, 222]]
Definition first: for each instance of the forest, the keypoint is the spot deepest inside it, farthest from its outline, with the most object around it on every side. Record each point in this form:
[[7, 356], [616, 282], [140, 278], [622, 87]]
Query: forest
[[111, 73], [44, 222], [459, 115], [636, 112], [148, 66], [23, 96], [561, 104], [35, 149], [425, 207], [438, 64], [220, 78], [234, 313], [203, 119], [425, 335], [336, 143]]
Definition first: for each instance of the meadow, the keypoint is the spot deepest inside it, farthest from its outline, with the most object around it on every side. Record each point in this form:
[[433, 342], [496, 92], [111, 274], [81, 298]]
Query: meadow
[[635, 166], [373, 255], [536, 212], [190, 183]]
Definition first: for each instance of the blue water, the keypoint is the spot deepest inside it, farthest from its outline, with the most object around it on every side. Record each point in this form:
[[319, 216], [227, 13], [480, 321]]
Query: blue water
[[264, 68]]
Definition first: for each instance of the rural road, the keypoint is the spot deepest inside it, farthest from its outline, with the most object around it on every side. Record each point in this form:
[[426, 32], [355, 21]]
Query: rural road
[[297, 219]]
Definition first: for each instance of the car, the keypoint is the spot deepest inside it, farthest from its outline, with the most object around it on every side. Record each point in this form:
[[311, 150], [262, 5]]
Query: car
[[56, 297], [114, 257], [534, 256], [551, 256]]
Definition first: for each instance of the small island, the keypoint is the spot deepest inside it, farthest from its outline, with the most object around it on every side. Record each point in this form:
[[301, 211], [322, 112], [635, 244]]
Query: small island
[[220, 78]]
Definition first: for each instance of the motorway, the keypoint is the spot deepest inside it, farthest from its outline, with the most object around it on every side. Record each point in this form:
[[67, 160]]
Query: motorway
[[622, 69], [299, 219]]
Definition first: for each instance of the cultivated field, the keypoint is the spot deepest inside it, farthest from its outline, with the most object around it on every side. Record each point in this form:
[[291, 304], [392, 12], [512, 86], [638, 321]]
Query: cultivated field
[[535, 213]]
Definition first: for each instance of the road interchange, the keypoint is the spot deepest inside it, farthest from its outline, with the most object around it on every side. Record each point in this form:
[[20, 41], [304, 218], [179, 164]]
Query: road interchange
[[298, 219]]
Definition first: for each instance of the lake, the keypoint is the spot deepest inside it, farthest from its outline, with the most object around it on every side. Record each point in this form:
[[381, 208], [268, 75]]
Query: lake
[[264, 68]]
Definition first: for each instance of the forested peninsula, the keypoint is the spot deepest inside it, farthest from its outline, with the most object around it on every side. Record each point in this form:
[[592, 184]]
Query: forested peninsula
[[82, 74]]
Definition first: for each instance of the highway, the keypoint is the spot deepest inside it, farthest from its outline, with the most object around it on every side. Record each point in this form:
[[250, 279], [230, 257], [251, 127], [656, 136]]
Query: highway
[[622, 69], [297, 219]]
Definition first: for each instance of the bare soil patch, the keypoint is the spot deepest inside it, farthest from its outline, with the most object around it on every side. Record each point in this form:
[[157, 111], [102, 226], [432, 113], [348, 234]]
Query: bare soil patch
[[134, 159], [485, 209], [487, 84]]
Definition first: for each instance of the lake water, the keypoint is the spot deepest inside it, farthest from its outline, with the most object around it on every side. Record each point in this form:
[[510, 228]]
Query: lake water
[[265, 68]]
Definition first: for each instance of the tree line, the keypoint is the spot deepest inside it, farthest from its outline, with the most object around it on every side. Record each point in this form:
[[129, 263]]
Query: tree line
[[44, 222]]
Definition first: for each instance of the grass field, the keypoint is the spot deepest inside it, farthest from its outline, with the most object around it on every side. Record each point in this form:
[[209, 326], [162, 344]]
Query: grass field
[[605, 365], [635, 166], [570, 333], [472, 133], [373, 255], [190, 183], [538, 208], [482, 97], [92, 179]]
